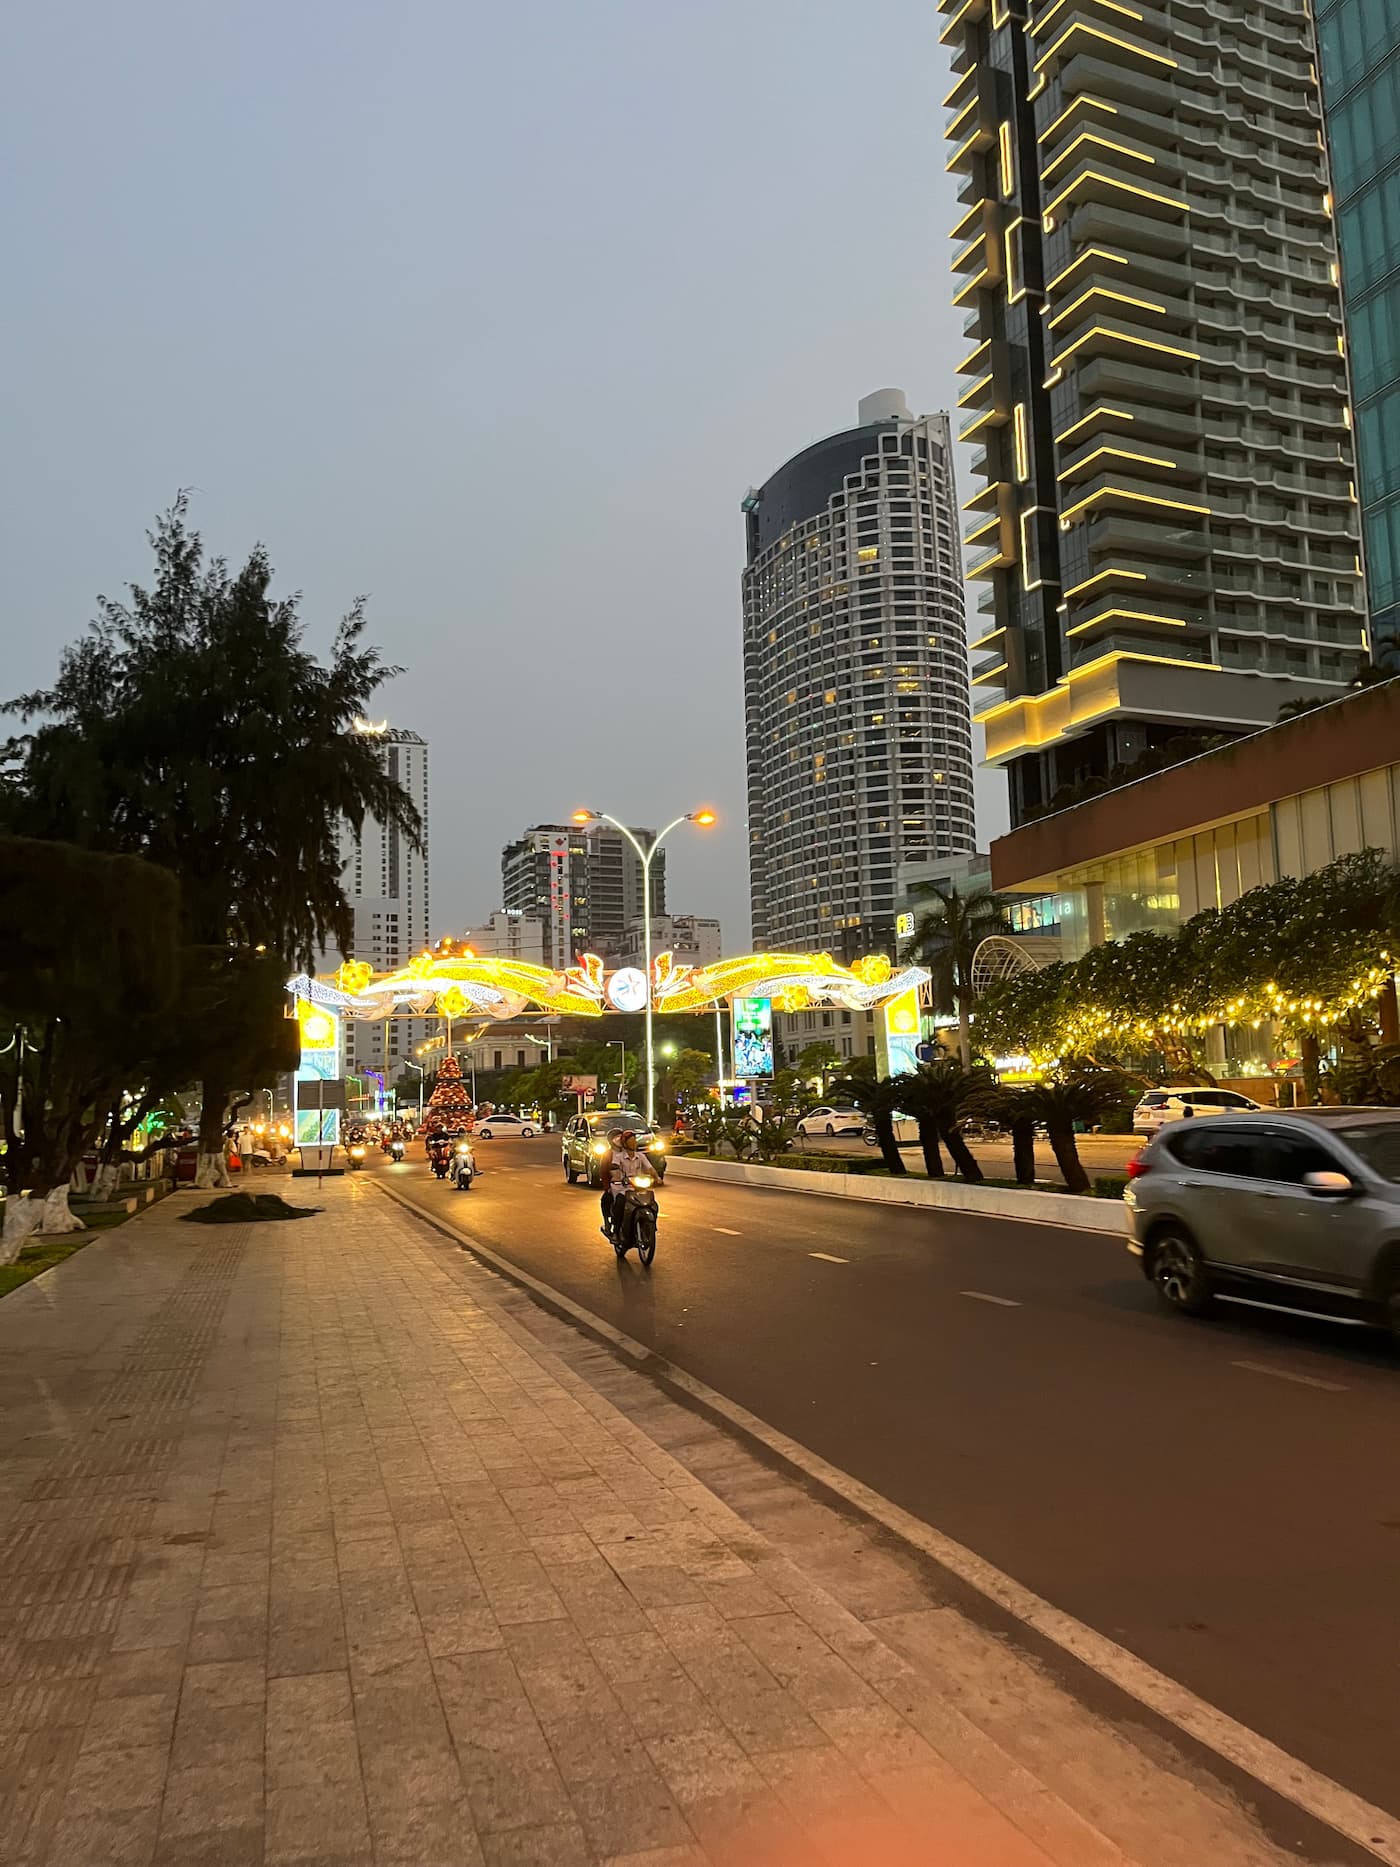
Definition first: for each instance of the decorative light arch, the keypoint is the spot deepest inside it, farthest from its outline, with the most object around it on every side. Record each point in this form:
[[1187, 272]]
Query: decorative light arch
[[1007, 956], [465, 985]]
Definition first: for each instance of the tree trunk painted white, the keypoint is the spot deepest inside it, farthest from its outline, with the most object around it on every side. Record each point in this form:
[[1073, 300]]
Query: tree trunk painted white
[[27, 1217], [106, 1179], [211, 1170]]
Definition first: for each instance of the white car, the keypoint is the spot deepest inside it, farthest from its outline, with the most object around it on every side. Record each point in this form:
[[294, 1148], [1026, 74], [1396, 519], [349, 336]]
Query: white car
[[827, 1120], [1160, 1106], [504, 1126]]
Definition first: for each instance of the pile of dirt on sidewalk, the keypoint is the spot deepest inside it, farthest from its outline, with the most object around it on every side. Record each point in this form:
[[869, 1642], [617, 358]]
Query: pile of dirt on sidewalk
[[239, 1208]]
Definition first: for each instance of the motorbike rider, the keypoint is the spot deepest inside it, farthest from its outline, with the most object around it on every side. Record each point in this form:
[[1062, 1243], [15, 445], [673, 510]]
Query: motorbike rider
[[622, 1164]]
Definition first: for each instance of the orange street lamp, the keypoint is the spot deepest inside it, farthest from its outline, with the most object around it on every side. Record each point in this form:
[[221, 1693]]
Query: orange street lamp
[[703, 819]]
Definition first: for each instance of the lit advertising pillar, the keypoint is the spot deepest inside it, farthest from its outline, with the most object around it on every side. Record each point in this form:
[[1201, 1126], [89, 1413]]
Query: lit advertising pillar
[[897, 1035], [320, 1085]]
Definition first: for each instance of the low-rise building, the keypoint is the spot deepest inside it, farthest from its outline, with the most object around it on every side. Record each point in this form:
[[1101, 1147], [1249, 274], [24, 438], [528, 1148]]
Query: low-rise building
[[690, 939]]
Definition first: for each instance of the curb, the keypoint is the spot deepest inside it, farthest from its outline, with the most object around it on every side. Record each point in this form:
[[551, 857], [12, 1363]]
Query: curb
[[1071, 1210]]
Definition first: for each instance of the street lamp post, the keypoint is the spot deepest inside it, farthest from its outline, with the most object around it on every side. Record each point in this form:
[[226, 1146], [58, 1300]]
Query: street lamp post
[[618, 1043], [419, 1067], [704, 818]]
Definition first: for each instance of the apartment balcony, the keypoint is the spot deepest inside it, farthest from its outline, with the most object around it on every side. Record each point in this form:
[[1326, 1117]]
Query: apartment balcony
[[1122, 538], [1108, 370], [1100, 221]]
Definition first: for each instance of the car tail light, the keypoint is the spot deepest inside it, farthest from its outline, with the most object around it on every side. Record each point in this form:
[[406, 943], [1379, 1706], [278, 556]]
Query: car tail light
[[1137, 1166]]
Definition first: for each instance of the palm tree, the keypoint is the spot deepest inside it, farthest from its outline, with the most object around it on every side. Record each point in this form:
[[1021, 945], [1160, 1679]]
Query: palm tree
[[1012, 1109], [880, 1099], [1077, 1092], [937, 1095], [945, 937]]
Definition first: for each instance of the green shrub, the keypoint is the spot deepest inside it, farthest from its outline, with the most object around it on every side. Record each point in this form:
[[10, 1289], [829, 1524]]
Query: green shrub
[[1109, 1186]]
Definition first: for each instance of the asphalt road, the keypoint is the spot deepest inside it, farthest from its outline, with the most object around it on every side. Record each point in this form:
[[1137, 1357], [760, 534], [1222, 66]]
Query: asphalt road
[[1220, 1497]]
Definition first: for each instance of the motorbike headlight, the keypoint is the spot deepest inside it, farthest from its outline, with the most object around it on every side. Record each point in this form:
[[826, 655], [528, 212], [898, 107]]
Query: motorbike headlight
[[642, 1180], [357, 1153], [600, 1148]]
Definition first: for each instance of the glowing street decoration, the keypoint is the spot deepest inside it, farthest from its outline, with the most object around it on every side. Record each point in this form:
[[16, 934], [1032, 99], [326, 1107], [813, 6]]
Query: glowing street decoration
[[900, 1049], [496, 988], [319, 1090]]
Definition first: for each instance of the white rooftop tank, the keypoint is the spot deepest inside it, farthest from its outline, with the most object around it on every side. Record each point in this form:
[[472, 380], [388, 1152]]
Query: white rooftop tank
[[883, 405]]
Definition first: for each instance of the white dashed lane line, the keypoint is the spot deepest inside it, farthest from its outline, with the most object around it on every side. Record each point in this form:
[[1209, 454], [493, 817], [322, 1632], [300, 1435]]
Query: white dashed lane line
[[726, 1231], [982, 1296], [827, 1257], [1285, 1374]]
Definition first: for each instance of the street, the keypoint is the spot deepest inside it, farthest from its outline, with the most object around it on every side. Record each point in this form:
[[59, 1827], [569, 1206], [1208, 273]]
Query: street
[[1218, 1497]]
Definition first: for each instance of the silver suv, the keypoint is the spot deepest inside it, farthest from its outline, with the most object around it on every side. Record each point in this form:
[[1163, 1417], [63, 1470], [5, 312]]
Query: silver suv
[[1299, 1210]]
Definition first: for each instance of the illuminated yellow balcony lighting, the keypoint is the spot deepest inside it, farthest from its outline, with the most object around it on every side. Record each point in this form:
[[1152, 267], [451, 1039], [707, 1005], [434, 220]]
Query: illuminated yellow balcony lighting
[[976, 244], [992, 486], [1129, 615], [983, 640], [989, 674], [1104, 142], [966, 79], [961, 150], [1093, 415], [1020, 442], [959, 232], [965, 291], [1104, 291], [1113, 6], [1122, 337], [950, 129], [1131, 654], [977, 423], [973, 358], [971, 393], [1120, 453], [1097, 32], [1121, 492], [1089, 103], [1138, 576], [1006, 161], [981, 531], [1090, 252], [1112, 181], [956, 20]]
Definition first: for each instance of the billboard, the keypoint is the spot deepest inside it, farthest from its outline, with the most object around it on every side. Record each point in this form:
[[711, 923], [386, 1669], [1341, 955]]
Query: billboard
[[579, 1085], [900, 1032], [753, 1036]]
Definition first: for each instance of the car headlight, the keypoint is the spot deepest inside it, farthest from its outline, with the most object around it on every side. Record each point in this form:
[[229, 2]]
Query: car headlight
[[600, 1148], [658, 1146]]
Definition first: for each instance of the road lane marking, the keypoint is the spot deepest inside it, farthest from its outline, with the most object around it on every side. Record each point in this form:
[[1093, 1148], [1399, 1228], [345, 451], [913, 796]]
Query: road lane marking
[[1372, 1829], [827, 1258], [727, 1233], [1284, 1374], [983, 1296]]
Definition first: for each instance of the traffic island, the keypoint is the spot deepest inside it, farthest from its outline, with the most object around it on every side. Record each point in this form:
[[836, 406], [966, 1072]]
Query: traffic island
[[1003, 1202]]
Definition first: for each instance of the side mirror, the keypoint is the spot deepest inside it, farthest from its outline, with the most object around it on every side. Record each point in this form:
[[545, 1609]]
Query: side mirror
[[1330, 1185]]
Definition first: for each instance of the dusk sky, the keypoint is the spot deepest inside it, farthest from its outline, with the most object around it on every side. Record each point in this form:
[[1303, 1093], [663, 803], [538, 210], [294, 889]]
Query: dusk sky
[[490, 311]]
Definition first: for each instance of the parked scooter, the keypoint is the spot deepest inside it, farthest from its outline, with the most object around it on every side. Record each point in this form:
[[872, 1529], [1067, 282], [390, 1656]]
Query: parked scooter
[[463, 1165]]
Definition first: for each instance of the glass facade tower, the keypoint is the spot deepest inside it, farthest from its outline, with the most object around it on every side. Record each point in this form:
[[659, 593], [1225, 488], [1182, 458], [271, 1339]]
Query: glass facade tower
[[1359, 55], [1166, 524]]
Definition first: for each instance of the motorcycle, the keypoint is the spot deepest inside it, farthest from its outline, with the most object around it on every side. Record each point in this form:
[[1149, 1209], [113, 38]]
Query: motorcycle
[[356, 1151], [438, 1158], [396, 1150], [636, 1224], [463, 1166]]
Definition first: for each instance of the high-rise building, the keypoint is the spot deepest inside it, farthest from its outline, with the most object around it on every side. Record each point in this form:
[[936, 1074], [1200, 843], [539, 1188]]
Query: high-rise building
[[584, 884], [386, 880], [1165, 520], [855, 678], [1359, 57]]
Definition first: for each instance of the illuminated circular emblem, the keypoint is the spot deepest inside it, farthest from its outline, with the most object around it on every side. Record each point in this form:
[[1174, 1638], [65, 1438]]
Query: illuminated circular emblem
[[627, 990]]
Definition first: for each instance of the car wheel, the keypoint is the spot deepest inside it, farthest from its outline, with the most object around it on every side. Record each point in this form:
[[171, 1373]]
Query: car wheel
[[830, 1129], [570, 1173], [527, 1134], [1179, 1274]]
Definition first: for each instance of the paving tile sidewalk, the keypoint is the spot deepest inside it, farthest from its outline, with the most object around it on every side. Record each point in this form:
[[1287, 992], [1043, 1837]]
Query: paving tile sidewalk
[[319, 1550]]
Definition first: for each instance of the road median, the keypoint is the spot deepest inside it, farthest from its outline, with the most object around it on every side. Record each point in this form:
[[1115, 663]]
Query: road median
[[1000, 1202]]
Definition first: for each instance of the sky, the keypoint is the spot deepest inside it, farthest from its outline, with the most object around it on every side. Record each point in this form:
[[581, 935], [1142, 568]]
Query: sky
[[489, 311]]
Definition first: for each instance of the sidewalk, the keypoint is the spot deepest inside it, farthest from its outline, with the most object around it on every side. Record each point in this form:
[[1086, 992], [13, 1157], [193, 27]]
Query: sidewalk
[[323, 1544]]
